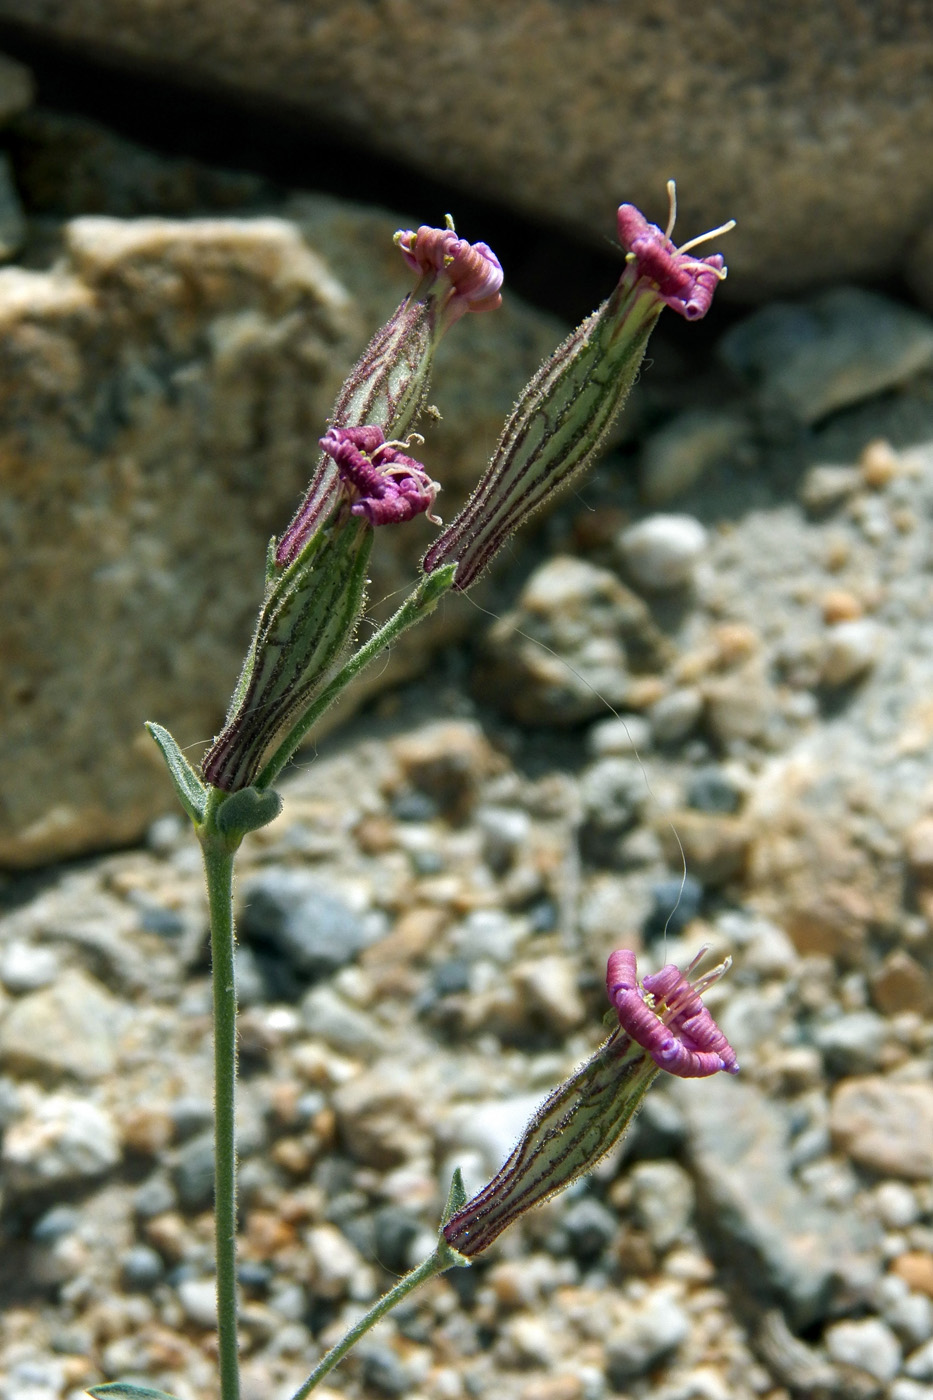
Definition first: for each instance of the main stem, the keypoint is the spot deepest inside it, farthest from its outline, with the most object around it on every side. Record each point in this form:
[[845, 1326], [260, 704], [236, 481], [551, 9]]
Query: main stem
[[218, 866]]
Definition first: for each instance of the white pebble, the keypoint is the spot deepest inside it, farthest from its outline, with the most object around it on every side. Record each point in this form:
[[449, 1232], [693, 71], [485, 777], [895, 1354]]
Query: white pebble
[[674, 715], [198, 1298], [896, 1205], [919, 1365], [25, 967], [904, 1389], [63, 1140], [868, 1345], [623, 734], [662, 551], [852, 648]]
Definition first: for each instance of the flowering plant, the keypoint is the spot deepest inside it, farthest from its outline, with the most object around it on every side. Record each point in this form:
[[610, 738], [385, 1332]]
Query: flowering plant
[[301, 658]]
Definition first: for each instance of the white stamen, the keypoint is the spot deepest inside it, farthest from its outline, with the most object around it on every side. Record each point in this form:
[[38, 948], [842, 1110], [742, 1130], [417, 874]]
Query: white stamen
[[704, 983], [672, 205], [705, 237]]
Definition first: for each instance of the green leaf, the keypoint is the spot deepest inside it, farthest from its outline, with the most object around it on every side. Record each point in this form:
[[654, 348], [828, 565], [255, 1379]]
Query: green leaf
[[190, 791], [456, 1197], [127, 1390], [247, 810]]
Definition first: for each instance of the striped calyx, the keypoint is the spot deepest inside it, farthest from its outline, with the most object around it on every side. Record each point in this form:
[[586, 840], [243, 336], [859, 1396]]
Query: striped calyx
[[308, 617]]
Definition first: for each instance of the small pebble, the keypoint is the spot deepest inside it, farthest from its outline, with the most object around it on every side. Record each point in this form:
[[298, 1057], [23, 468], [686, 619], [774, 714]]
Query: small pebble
[[62, 1141], [906, 1389], [663, 1199], [25, 967], [879, 463], [826, 486], [866, 1345], [676, 903], [623, 734], [850, 650], [650, 1331], [896, 1204], [662, 551], [712, 790], [586, 1228], [141, 1268], [675, 714], [840, 606], [919, 1365], [198, 1298]]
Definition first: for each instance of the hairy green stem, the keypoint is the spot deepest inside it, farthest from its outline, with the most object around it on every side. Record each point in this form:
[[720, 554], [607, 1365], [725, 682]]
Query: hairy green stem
[[442, 1259], [219, 853], [415, 607]]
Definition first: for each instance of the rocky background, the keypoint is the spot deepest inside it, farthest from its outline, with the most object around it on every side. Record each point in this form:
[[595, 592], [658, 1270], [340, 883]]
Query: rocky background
[[693, 707]]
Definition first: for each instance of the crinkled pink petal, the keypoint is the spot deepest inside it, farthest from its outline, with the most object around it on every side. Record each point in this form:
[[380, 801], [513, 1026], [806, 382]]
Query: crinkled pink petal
[[684, 283], [676, 1029], [472, 269], [389, 487]]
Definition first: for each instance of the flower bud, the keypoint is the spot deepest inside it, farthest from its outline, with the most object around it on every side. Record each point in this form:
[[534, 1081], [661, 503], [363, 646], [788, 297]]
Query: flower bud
[[388, 386], [579, 1123], [563, 416]]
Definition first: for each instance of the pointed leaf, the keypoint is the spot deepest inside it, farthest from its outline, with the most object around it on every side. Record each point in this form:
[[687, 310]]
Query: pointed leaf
[[190, 791], [456, 1196], [127, 1390], [247, 810]]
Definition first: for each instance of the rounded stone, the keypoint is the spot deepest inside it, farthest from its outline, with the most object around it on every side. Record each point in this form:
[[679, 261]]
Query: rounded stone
[[25, 967], [896, 1204], [675, 714], [650, 1331], [851, 649], [885, 1125], [62, 1141], [663, 1199], [866, 1345], [661, 552], [623, 734], [141, 1268], [198, 1298]]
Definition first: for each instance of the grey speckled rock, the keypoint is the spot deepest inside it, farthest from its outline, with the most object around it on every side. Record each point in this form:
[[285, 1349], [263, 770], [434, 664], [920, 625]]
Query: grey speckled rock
[[783, 1243], [785, 121], [299, 930], [885, 1126], [69, 1028], [842, 346], [63, 1140]]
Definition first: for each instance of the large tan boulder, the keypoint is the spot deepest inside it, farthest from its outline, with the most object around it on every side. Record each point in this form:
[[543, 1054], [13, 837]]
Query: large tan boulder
[[162, 390], [812, 124]]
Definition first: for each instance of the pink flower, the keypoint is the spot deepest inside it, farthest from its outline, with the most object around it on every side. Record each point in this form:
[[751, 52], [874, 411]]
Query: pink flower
[[683, 283], [665, 1016], [387, 486], [472, 269]]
